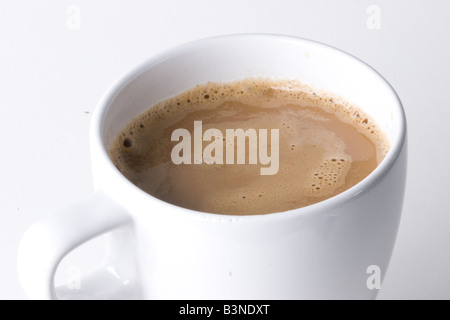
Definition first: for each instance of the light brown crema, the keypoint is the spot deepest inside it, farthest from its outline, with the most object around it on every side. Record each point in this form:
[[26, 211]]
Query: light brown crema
[[326, 146]]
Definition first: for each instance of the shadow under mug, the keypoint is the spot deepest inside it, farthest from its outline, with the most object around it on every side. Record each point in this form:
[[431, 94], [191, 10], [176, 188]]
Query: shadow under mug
[[159, 251]]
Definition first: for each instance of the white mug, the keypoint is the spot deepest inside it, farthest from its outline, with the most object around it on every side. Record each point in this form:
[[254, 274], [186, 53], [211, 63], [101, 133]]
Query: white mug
[[330, 250]]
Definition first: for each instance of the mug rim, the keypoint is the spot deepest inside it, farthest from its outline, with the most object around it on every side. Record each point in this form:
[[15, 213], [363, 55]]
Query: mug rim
[[102, 108]]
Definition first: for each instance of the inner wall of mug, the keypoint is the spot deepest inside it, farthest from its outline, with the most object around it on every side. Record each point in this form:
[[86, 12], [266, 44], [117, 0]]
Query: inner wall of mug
[[226, 59]]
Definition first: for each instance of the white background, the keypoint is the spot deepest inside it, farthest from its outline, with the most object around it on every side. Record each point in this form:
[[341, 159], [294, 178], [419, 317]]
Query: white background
[[52, 76]]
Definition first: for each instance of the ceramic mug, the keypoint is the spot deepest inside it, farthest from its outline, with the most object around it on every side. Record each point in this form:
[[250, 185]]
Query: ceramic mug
[[160, 251]]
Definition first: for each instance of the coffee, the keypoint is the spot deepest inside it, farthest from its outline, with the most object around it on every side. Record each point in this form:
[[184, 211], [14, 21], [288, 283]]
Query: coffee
[[324, 147]]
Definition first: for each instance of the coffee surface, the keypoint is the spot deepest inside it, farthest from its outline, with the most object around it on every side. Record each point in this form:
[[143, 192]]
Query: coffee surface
[[325, 145]]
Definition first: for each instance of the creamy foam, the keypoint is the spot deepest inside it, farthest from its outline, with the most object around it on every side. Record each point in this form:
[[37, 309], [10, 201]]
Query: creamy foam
[[326, 147]]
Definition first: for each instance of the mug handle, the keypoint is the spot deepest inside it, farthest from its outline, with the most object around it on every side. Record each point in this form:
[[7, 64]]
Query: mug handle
[[48, 241]]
